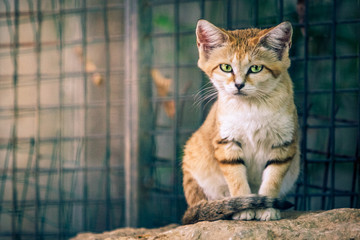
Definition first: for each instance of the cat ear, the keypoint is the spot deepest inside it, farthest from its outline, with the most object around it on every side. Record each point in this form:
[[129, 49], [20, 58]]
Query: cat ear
[[278, 38], [208, 36]]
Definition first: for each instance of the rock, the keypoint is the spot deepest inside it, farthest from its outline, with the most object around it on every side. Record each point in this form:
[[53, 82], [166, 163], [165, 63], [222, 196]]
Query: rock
[[125, 233], [333, 224]]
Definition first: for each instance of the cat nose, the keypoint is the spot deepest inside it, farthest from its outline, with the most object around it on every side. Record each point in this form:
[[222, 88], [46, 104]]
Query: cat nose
[[239, 85]]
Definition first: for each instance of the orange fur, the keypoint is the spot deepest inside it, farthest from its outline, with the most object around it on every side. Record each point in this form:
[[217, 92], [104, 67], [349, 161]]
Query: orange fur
[[248, 143]]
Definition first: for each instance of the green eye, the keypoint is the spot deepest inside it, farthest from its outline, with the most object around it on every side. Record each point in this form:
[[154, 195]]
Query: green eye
[[226, 68], [256, 68]]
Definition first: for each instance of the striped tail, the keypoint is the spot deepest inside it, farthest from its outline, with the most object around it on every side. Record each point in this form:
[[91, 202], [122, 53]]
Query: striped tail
[[225, 208]]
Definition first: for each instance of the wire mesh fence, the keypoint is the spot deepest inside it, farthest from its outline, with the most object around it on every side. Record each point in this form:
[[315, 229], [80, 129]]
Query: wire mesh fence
[[67, 109], [61, 117]]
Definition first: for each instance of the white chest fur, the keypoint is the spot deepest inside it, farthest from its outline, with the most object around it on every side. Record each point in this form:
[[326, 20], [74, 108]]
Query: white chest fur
[[255, 127]]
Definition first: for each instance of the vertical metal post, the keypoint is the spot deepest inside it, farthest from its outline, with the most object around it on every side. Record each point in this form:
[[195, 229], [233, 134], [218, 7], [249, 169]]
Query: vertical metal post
[[107, 114], [131, 114], [355, 189], [229, 14], [333, 110], [202, 9], [281, 10], [15, 55], [305, 109], [204, 79], [256, 13], [61, 119], [83, 69], [37, 126], [175, 163]]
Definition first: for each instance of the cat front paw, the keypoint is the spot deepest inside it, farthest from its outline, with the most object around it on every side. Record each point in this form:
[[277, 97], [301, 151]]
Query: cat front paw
[[267, 214], [244, 215]]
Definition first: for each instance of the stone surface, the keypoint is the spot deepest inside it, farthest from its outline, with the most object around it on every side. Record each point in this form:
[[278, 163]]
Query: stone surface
[[333, 224]]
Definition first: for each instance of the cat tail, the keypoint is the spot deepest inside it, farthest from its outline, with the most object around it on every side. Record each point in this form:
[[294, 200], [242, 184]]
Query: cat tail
[[225, 208]]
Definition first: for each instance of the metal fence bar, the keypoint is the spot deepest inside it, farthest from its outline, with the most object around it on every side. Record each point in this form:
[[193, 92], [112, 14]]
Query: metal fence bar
[[131, 207], [305, 109], [49, 78], [177, 117], [61, 27], [229, 14], [333, 106], [4, 176], [84, 45], [53, 170], [281, 10], [24, 192], [327, 164], [14, 214], [204, 80], [107, 114], [54, 202], [108, 136], [67, 11], [37, 124], [256, 13], [48, 187], [29, 47], [69, 210]]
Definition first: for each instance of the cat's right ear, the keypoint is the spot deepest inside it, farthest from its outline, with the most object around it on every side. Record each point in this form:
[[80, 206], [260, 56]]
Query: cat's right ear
[[208, 37]]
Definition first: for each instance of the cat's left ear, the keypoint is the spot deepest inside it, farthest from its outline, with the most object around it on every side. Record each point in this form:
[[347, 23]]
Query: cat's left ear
[[277, 38]]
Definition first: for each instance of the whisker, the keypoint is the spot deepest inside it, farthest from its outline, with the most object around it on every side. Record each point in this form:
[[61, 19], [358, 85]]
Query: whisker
[[206, 94], [202, 93], [204, 88], [206, 100], [210, 99]]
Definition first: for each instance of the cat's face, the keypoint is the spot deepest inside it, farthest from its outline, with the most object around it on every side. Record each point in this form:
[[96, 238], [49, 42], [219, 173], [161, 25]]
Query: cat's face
[[244, 63]]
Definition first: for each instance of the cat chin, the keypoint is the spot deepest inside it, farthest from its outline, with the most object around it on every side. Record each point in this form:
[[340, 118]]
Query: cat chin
[[241, 94], [236, 93]]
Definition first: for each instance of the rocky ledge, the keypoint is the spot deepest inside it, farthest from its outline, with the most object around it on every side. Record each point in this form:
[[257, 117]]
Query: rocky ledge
[[333, 224]]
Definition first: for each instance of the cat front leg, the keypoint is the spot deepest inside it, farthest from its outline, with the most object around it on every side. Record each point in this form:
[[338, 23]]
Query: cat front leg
[[235, 175], [281, 157], [276, 168], [273, 176], [230, 158]]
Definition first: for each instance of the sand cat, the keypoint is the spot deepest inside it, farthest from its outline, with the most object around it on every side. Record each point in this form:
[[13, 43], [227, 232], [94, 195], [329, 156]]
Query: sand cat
[[246, 154]]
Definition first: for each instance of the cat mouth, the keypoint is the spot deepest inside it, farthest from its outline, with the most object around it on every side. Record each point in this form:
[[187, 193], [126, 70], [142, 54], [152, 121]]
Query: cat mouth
[[240, 93]]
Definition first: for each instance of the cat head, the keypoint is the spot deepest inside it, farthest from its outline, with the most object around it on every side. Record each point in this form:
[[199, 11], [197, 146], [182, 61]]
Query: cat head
[[244, 63]]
